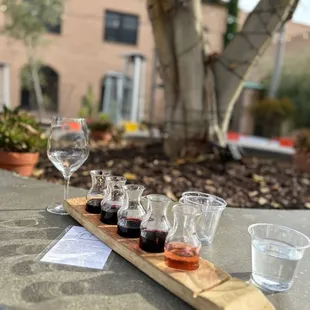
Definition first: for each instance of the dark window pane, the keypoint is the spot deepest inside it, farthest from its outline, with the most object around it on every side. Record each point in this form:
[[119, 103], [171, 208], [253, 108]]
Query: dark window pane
[[129, 37], [112, 20], [120, 27], [130, 23]]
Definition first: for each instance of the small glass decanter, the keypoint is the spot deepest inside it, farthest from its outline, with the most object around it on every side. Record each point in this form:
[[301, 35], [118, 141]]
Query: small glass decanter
[[155, 226], [97, 191], [130, 215], [114, 199], [182, 246]]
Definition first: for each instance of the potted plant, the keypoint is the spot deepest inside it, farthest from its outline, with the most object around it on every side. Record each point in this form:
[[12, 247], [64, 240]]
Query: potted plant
[[302, 150], [101, 129], [100, 126], [21, 140]]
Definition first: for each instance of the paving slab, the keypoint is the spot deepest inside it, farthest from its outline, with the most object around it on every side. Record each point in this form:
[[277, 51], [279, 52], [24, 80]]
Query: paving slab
[[26, 229]]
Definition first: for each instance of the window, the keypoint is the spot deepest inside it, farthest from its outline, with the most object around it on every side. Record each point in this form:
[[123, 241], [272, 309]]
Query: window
[[55, 29], [121, 27]]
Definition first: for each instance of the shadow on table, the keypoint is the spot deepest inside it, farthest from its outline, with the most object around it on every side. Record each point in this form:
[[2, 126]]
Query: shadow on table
[[246, 277], [120, 278]]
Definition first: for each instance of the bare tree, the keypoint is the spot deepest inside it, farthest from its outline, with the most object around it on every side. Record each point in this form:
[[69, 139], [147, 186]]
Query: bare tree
[[201, 89]]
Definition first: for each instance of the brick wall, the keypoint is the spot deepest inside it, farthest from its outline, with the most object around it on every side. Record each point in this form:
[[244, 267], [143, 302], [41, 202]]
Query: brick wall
[[81, 57]]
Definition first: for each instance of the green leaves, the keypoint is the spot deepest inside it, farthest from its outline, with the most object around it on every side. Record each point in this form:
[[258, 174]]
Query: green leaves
[[27, 20], [294, 85], [19, 132]]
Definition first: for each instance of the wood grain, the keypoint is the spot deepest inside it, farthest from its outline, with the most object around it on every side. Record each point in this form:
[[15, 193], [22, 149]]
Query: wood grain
[[208, 287]]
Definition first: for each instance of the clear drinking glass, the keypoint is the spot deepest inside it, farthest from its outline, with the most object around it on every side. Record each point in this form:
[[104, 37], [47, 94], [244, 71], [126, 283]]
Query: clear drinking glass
[[211, 210], [193, 193], [67, 149], [182, 245], [276, 252]]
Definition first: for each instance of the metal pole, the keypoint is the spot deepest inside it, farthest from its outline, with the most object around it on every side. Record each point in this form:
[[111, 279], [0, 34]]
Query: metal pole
[[121, 98], [136, 87], [142, 91], [153, 88], [107, 94], [278, 63], [5, 87], [6, 82]]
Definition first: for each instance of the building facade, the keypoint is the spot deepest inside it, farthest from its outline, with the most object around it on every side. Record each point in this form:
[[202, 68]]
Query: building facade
[[90, 42], [89, 45]]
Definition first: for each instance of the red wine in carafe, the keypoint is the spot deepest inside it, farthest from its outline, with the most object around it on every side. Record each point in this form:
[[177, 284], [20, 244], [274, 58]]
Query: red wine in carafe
[[129, 227], [152, 241], [109, 213], [93, 206]]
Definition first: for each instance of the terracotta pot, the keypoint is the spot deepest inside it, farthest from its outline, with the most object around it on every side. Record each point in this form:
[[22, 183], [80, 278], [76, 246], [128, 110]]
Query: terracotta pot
[[105, 136], [302, 162], [21, 163]]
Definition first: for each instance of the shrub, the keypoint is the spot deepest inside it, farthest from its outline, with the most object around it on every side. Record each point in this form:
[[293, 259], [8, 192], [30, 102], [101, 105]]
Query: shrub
[[302, 141], [20, 132], [271, 113], [294, 84]]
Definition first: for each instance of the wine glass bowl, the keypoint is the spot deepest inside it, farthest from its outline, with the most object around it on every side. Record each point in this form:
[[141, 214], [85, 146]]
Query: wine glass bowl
[[67, 149]]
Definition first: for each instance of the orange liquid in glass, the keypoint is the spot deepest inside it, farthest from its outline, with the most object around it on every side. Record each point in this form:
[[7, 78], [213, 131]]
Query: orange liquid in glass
[[181, 256]]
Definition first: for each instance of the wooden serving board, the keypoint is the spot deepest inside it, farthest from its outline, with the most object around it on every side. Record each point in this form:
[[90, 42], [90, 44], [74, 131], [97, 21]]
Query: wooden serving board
[[208, 287]]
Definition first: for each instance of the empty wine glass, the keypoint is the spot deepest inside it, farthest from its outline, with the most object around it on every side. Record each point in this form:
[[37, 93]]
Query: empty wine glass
[[67, 149]]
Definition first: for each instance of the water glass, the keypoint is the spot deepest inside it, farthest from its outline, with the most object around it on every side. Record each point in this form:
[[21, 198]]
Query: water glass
[[211, 210], [276, 252]]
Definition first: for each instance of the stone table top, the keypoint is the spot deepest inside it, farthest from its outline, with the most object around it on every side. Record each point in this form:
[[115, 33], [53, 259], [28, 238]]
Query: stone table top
[[26, 229]]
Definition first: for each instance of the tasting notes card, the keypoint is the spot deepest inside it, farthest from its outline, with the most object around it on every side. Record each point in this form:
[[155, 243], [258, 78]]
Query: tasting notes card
[[78, 247]]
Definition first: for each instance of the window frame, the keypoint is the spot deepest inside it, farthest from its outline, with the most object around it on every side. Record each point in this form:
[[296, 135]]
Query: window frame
[[119, 31]]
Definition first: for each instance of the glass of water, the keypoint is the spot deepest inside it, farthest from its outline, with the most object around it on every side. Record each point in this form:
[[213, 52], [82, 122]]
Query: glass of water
[[67, 149], [276, 252]]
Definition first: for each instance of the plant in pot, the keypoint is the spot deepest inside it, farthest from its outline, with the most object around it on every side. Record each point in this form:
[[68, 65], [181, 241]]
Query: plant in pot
[[21, 140], [100, 126], [302, 150]]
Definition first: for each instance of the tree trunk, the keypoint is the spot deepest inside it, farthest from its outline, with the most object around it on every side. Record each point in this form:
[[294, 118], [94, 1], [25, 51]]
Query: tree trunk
[[182, 68], [201, 91], [36, 81], [37, 89]]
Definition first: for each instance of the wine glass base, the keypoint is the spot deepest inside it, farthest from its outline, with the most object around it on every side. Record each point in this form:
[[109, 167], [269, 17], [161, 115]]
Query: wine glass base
[[57, 209]]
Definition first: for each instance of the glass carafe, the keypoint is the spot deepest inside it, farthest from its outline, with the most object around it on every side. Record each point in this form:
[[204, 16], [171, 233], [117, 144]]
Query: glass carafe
[[182, 246], [130, 215], [114, 199], [155, 226], [97, 191]]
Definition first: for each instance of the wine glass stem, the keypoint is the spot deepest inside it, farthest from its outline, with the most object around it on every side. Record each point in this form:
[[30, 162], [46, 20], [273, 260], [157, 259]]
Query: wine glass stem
[[66, 187]]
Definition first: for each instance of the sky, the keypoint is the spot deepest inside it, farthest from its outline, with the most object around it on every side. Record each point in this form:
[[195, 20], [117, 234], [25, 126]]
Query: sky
[[302, 13]]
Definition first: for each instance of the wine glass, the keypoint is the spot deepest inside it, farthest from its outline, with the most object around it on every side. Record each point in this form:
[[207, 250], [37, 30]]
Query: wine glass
[[67, 149]]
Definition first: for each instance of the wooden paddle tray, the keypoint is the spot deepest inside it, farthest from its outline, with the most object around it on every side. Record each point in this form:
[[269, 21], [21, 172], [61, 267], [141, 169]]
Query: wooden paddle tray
[[208, 287]]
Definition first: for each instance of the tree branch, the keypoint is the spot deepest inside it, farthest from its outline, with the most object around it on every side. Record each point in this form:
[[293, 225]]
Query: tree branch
[[232, 67]]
